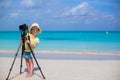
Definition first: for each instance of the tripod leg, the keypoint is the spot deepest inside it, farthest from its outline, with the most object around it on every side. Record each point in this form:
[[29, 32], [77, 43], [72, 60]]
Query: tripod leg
[[38, 66], [21, 62], [36, 62], [13, 62]]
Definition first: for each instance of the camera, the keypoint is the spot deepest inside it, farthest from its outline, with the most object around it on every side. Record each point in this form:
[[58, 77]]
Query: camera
[[23, 27]]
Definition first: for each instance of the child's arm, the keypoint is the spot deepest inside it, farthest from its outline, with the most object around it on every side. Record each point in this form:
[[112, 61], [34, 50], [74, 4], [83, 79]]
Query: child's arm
[[32, 45]]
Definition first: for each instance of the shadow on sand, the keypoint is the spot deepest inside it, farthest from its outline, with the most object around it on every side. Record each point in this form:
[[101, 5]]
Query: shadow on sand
[[17, 75]]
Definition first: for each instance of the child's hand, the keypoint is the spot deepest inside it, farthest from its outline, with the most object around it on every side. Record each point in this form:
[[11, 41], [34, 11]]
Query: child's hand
[[27, 41]]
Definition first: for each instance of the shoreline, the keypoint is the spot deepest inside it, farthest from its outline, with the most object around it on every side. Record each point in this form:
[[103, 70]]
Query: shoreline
[[65, 55], [67, 52]]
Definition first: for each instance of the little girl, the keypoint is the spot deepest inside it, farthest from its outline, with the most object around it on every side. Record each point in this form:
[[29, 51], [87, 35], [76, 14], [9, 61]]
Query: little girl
[[34, 40]]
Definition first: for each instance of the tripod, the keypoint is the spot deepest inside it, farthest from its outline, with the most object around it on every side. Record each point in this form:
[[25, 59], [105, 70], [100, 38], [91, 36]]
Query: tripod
[[23, 48]]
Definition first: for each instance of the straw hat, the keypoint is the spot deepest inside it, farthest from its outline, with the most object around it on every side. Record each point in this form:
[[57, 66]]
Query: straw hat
[[37, 25]]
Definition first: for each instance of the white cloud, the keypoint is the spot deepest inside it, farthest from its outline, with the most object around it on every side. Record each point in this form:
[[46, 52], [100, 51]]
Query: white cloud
[[32, 3], [81, 9], [14, 15], [27, 3], [84, 13]]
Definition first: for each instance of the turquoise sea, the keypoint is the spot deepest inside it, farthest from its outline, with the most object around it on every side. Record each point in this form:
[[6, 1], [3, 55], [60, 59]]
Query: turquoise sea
[[66, 40]]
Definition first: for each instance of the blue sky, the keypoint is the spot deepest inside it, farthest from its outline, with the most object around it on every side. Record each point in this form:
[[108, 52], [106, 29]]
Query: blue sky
[[61, 15]]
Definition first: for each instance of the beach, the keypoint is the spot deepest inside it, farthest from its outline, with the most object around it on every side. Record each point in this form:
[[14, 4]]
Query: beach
[[71, 39], [63, 68]]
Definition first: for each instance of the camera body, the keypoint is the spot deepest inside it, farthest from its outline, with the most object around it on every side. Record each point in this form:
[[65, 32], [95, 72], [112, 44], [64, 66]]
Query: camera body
[[23, 27], [24, 30]]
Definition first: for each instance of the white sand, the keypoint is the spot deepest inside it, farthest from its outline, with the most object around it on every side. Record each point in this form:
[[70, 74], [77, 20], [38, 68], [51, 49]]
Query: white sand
[[64, 69]]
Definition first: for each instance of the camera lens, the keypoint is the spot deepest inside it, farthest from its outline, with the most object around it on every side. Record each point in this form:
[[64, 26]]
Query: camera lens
[[20, 27], [23, 27]]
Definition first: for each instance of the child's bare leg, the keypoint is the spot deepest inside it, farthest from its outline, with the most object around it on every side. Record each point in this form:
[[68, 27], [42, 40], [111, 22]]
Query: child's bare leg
[[28, 67], [31, 67]]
